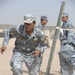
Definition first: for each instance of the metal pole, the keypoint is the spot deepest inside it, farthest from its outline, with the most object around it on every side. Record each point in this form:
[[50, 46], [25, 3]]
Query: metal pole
[[55, 38]]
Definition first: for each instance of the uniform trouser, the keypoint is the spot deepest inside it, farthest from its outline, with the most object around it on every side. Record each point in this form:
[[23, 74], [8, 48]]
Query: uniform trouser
[[67, 60], [33, 64]]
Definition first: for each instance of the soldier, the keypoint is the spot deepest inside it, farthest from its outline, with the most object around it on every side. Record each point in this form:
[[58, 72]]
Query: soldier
[[67, 55], [66, 25], [29, 45], [44, 21], [63, 40]]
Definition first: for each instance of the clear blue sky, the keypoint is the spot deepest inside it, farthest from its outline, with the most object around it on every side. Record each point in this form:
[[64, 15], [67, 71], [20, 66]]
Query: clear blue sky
[[12, 11]]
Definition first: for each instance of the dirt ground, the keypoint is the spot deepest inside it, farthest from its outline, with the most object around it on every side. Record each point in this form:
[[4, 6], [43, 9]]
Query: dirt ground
[[5, 68]]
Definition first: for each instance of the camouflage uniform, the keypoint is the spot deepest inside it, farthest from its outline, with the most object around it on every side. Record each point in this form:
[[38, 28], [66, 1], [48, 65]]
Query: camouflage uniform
[[66, 49], [67, 55], [40, 26], [24, 45]]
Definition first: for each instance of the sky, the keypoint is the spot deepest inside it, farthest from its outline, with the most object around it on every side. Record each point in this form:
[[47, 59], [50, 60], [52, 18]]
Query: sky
[[12, 11]]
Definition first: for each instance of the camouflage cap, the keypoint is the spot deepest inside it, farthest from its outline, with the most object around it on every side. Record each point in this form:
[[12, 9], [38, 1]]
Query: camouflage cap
[[29, 18], [65, 14], [44, 18]]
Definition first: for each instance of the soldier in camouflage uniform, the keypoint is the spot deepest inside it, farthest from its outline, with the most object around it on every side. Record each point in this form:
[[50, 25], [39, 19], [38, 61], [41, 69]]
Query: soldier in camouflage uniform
[[44, 21], [67, 55], [29, 45], [65, 47]]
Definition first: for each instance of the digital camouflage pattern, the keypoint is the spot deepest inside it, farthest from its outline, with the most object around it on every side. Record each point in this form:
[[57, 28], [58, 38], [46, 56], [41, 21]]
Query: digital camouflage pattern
[[67, 51]]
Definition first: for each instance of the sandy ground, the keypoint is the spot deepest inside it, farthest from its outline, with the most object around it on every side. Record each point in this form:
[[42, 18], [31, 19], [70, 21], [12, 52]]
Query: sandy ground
[[5, 68]]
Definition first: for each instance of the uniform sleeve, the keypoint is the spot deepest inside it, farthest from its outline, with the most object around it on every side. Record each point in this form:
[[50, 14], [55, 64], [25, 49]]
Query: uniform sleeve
[[9, 34], [41, 27], [43, 43], [69, 26], [65, 32]]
